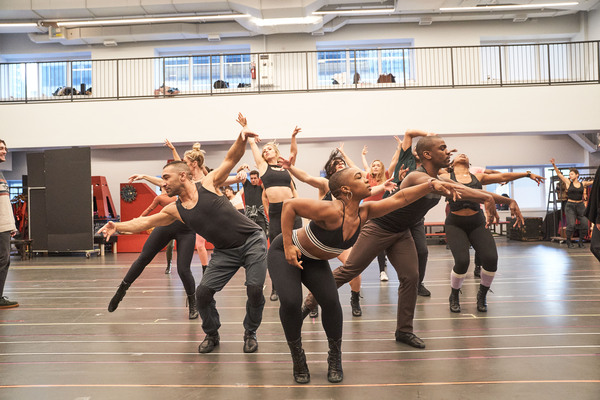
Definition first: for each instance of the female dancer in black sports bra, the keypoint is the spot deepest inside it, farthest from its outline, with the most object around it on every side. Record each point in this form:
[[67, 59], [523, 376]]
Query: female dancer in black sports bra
[[277, 183], [575, 207], [300, 256], [466, 227]]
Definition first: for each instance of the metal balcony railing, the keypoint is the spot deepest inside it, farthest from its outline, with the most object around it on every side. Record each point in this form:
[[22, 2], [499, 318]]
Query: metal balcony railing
[[350, 69]]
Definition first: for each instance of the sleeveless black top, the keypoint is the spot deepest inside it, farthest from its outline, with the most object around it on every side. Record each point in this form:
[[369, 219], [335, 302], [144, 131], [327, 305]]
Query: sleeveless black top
[[252, 194], [462, 204], [575, 193], [328, 196], [274, 177], [406, 217], [217, 220], [331, 241]]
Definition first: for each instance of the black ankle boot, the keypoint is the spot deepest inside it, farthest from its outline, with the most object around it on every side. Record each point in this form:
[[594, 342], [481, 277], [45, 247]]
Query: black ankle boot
[[168, 270], [570, 244], [335, 374], [481, 298], [454, 301], [301, 374], [114, 302], [477, 271], [580, 244], [355, 303], [193, 308]]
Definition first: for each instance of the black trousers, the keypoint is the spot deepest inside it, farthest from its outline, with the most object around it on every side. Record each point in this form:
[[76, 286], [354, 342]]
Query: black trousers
[[462, 232], [317, 277], [158, 239]]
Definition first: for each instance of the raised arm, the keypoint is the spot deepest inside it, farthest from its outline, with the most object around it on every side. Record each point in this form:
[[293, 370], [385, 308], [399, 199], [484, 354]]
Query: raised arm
[[560, 175], [294, 145], [317, 182], [218, 176], [395, 157], [152, 179], [173, 150], [409, 135], [363, 156], [347, 159]]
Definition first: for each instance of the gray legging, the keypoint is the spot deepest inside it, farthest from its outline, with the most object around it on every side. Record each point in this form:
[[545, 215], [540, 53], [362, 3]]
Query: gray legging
[[574, 211]]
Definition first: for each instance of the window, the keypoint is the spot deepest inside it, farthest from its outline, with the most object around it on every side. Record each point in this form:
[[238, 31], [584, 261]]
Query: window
[[344, 59], [199, 72]]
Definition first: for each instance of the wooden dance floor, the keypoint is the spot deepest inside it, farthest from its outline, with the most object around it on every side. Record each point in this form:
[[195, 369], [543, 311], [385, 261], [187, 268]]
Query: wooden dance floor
[[540, 338]]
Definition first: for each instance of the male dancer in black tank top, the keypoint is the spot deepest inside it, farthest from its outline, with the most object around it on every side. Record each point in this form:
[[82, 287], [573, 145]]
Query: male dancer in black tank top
[[392, 234], [202, 207]]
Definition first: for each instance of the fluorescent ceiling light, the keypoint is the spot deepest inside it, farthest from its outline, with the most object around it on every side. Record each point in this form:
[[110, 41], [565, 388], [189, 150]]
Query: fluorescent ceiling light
[[510, 6], [356, 11], [286, 21], [148, 20], [18, 25]]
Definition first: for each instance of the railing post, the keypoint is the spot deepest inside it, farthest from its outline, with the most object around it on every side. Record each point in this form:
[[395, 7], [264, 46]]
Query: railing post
[[549, 66], [452, 65], [25, 65], [404, 68], [117, 79], [210, 83], [258, 71], [355, 71], [71, 80], [500, 63], [307, 74], [164, 77], [598, 58]]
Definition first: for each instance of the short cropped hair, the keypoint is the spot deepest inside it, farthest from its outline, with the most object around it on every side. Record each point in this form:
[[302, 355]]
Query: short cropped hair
[[426, 143], [180, 166]]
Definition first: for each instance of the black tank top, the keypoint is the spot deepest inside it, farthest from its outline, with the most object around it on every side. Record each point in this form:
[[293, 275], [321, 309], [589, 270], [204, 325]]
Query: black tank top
[[462, 204], [334, 239], [406, 217], [217, 220], [328, 196], [274, 177], [575, 193]]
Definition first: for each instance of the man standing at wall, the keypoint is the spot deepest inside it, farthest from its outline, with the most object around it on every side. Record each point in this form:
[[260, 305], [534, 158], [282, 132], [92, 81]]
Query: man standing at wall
[[7, 227]]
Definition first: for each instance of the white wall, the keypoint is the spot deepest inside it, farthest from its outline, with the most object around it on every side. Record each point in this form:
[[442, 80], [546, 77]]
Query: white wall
[[593, 24]]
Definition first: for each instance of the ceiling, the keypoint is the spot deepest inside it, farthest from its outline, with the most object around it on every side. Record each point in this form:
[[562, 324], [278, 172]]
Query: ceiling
[[246, 17]]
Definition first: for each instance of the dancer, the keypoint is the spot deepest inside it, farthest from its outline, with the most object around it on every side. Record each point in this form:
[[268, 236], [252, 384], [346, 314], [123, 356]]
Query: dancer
[[377, 174], [253, 192], [466, 227], [391, 233], [277, 183], [336, 162], [205, 211], [575, 207], [408, 160], [162, 200], [592, 212], [158, 239], [7, 230], [299, 256], [234, 198]]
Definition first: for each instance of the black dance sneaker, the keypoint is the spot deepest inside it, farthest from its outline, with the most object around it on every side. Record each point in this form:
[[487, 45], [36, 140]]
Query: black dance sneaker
[[6, 303], [410, 339], [250, 342], [209, 343], [422, 291]]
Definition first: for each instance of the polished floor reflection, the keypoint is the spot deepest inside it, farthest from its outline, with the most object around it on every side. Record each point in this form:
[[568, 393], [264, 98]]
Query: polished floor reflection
[[539, 339]]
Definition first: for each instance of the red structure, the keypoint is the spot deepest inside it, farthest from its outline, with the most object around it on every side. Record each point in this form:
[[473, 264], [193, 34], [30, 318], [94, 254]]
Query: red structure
[[135, 198], [103, 204]]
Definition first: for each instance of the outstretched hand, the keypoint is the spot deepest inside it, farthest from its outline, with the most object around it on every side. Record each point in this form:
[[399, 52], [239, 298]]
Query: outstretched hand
[[108, 230], [292, 256], [538, 179], [446, 189], [169, 145], [285, 164], [241, 120], [515, 212], [296, 131], [364, 150], [135, 177], [389, 186], [402, 173], [490, 212]]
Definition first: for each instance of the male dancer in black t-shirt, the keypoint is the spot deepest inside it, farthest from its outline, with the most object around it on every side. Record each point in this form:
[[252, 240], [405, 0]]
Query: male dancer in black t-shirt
[[253, 198], [392, 233], [237, 240]]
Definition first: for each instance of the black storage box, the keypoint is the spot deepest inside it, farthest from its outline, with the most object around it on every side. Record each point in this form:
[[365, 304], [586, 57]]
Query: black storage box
[[530, 232]]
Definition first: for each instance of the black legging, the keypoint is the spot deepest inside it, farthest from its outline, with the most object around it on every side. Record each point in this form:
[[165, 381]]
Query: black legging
[[463, 232], [158, 239], [275, 221], [595, 243], [317, 277]]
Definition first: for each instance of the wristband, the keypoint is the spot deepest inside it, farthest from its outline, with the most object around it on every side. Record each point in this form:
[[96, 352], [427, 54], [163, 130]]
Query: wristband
[[528, 174]]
